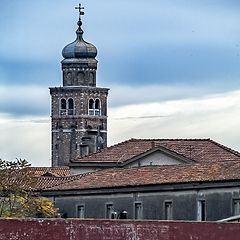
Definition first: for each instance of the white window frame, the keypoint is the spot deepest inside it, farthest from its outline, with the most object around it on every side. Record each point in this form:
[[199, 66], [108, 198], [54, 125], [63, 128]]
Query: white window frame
[[62, 111], [93, 111], [97, 111], [70, 111]]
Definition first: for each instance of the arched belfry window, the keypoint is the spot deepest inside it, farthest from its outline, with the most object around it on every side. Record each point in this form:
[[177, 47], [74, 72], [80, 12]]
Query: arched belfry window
[[70, 106], [63, 106], [91, 78], [91, 107], [67, 106], [94, 107], [97, 107]]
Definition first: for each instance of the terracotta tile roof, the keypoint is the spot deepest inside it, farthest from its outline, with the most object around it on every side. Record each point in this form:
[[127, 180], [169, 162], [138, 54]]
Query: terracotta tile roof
[[41, 177], [184, 173], [48, 182], [199, 150], [50, 171], [50, 176]]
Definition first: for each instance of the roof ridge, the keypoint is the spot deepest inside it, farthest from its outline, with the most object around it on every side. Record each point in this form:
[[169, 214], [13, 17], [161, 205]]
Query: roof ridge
[[141, 139], [61, 167], [104, 149], [226, 148], [172, 139], [160, 147], [132, 147]]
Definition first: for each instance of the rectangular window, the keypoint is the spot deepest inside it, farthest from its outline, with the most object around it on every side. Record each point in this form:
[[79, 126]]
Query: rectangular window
[[97, 112], [168, 210], [84, 150], [80, 211], [91, 112], [109, 210], [236, 207], [201, 210], [138, 209]]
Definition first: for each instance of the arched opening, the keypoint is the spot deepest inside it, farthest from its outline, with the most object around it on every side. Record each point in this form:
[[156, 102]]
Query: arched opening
[[91, 78], [63, 106], [70, 106], [91, 107], [97, 107], [94, 107], [69, 78], [80, 78]]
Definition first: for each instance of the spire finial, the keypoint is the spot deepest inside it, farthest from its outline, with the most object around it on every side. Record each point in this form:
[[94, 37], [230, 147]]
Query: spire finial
[[80, 8], [79, 30]]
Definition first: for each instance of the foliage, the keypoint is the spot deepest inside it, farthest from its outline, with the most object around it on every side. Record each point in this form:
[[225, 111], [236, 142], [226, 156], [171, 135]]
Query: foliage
[[18, 197]]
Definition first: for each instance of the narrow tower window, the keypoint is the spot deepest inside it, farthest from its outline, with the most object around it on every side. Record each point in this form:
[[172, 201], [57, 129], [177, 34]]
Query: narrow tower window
[[63, 107], [97, 107], [91, 107], [70, 106]]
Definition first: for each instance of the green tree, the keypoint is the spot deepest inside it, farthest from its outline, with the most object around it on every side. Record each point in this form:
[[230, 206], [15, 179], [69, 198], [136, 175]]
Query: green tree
[[18, 197]]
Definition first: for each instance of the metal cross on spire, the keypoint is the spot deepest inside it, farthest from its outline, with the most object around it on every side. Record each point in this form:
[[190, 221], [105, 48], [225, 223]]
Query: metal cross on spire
[[80, 9]]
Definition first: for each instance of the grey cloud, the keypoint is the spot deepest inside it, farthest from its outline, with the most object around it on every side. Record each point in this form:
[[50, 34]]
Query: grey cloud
[[31, 140], [188, 118], [140, 117], [121, 95], [24, 100]]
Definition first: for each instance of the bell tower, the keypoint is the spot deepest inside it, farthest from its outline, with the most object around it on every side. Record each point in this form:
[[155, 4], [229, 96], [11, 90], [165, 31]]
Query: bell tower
[[79, 107]]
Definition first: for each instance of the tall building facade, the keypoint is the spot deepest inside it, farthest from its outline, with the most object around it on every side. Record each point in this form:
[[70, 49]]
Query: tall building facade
[[79, 107]]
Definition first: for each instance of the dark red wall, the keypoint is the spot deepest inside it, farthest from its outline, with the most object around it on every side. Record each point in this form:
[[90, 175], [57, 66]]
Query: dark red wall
[[59, 229]]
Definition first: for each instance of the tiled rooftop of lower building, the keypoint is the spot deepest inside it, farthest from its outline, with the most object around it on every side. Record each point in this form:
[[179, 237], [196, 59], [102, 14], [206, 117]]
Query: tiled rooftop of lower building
[[198, 150], [152, 175]]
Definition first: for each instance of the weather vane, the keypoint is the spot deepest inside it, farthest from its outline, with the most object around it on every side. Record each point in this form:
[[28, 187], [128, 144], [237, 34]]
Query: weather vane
[[80, 9]]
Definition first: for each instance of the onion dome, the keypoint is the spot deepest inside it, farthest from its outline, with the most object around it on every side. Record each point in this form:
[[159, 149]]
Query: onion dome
[[79, 48]]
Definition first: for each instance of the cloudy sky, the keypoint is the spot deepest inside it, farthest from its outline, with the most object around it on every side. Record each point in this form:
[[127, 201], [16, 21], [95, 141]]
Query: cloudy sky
[[173, 67]]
